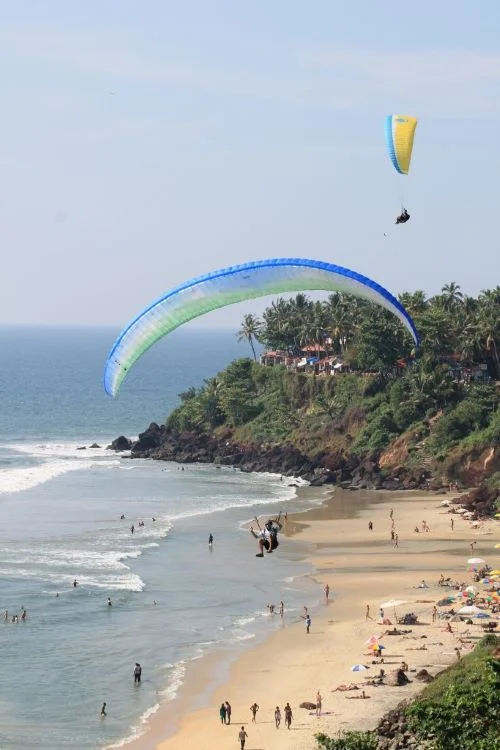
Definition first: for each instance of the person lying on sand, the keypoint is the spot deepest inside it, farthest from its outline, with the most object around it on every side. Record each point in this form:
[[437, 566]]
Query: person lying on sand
[[395, 631], [343, 688], [357, 697]]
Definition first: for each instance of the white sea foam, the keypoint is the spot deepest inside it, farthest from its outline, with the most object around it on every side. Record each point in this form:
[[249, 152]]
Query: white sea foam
[[53, 460], [137, 730], [176, 678], [241, 635], [242, 621]]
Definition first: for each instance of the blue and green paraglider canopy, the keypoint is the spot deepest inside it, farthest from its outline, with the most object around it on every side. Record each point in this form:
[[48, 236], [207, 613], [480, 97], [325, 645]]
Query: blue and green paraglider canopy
[[229, 286]]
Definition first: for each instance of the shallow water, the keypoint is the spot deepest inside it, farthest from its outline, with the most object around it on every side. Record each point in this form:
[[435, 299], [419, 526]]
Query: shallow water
[[61, 511]]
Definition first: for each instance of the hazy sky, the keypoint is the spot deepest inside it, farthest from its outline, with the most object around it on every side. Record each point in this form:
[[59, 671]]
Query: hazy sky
[[147, 142]]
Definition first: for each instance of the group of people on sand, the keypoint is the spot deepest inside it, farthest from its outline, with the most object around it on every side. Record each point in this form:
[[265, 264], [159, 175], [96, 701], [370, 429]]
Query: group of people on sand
[[225, 711], [15, 618]]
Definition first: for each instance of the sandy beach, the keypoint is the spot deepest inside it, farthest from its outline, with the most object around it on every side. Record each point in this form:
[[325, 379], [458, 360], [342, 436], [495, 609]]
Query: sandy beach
[[362, 567]]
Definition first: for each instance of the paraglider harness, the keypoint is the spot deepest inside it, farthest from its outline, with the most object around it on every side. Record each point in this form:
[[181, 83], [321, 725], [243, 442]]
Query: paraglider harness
[[272, 528], [403, 217]]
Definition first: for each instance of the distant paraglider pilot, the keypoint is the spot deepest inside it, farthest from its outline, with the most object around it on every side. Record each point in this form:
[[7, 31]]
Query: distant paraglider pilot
[[403, 217]]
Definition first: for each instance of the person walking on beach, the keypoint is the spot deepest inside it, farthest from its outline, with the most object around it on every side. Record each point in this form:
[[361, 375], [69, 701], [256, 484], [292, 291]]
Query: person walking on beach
[[288, 716], [368, 615], [434, 613], [308, 623], [396, 540], [318, 704], [137, 673], [228, 712], [222, 713], [242, 735], [452, 523], [277, 717], [254, 708], [370, 526], [327, 592], [103, 711], [282, 609], [391, 514]]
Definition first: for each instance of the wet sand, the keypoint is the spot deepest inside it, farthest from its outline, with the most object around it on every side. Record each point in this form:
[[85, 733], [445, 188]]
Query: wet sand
[[362, 568]]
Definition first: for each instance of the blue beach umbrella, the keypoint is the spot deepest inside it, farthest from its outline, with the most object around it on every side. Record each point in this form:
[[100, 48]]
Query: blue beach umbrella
[[358, 668]]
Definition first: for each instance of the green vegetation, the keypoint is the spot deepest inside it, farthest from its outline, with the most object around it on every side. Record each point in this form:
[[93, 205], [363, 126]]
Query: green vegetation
[[423, 407], [348, 741], [459, 709]]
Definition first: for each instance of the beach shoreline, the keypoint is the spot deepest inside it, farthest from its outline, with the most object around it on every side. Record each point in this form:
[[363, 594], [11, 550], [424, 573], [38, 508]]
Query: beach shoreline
[[340, 547]]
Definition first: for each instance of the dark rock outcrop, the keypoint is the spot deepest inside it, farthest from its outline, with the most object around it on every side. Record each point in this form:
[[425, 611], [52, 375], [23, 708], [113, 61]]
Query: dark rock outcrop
[[327, 467], [481, 501], [424, 676], [121, 443], [94, 445], [397, 678]]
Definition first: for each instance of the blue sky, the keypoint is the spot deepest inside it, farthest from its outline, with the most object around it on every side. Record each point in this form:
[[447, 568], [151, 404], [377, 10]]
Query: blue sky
[[144, 143]]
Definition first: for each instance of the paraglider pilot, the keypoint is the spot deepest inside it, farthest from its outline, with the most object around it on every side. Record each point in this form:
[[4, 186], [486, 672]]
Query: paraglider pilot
[[403, 217]]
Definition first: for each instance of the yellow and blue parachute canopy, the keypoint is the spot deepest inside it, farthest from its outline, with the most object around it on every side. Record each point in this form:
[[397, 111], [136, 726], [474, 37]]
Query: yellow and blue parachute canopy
[[399, 134]]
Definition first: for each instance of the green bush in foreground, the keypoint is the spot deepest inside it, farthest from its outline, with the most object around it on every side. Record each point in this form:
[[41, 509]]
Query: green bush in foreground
[[462, 707], [349, 741]]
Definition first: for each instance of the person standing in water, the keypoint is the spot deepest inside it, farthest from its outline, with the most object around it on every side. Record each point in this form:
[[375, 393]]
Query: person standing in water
[[109, 601], [103, 710], [132, 529], [327, 592], [137, 673], [210, 540]]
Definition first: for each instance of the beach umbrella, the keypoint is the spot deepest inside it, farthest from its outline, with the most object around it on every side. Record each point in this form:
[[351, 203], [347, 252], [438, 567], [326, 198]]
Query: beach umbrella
[[393, 603], [376, 646], [476, 561], [470, 610], [358, 667], [374, 639], [471, 589]]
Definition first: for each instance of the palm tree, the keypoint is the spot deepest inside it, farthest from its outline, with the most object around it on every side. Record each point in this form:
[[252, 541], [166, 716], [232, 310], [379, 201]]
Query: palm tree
[[451, 295], [414, 302], [250, 330]]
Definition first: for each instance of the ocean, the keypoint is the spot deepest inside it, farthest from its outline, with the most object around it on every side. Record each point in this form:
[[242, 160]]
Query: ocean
[[172, 598]]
